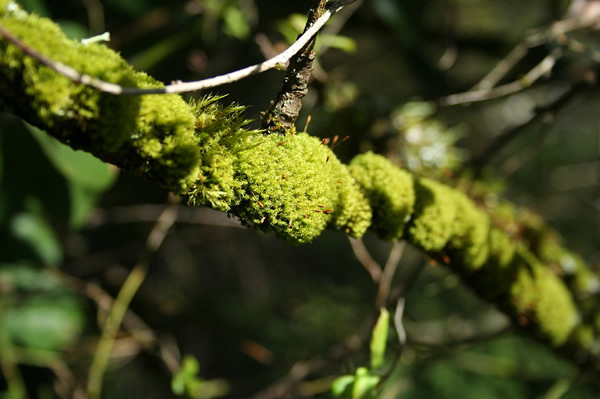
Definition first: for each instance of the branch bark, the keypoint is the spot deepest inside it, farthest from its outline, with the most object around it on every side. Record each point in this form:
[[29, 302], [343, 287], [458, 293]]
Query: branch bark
[[284, 111]]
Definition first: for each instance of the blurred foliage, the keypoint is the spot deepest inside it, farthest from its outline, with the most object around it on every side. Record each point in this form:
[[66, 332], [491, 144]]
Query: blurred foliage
[[426, 146], [255, 314]]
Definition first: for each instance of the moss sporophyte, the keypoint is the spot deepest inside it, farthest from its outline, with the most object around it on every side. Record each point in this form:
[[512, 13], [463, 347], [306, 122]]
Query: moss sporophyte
[[289, 184]]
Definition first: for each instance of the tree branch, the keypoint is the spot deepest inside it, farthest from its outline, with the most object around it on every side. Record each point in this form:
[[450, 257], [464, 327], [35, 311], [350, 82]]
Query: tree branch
[[293, 186]]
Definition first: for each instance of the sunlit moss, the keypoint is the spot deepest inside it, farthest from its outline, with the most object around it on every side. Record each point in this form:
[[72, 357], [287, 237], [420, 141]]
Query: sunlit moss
[[150, 135], [290, 185], [501, 249], [472, 229], [218, 129], [389, 190], [433, 222], [539, 294]]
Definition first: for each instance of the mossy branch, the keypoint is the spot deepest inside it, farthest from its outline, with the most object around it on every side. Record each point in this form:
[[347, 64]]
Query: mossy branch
[[292, 185]]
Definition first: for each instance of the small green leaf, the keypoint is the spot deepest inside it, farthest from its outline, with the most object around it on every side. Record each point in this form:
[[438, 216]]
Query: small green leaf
[[365, 384], [178, 384], [33, 230], [342, 386], [343, 43], [45, 322], [76, 166], [379, 338], [235, 23], [190, 366], [87, 176]]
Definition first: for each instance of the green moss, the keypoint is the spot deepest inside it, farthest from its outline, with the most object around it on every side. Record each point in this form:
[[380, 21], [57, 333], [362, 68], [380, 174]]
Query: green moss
[[389, 190], [433, 222], [540, 295], [472, 229], [354, 214], [219, 130], [150, 135], [290, 185], [501, 249]]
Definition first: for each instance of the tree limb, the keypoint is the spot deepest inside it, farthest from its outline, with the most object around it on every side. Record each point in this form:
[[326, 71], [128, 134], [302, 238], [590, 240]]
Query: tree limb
[[293, 185]]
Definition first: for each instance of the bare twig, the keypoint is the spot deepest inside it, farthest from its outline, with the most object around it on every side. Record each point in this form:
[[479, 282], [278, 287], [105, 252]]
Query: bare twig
[[543, 68], [502, 140], [183, 87], [286, 385], [365, 259], [486, 88], [388, 273], [283, 112], [401, 290], [121, 303], [136, 326]]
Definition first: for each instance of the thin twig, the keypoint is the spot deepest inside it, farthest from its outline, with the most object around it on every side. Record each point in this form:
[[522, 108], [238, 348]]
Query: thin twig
[[486, 88], [365, 259], [121, 304], [285, 386], [543, 68], [401, 290], [284, 111], [133, 323], [182, 87], [388, 273], [502, 140]]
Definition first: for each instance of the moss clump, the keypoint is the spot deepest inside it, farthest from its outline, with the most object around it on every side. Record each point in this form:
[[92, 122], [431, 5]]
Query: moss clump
[[150, 135], [218, 130], [433, 222], [353, 209], [539, 294], [389, 190], [501, 249], [495, 277], [290, 185], [472, 229]]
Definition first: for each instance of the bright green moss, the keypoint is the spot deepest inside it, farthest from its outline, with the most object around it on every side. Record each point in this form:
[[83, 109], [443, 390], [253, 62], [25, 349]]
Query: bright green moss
[[577, 275], [472, 231], [219, 131], [494, 278], [290, 186], [501, 249], [389, 190], [353, 210], [150, 135], [539, 294], [433, 222]]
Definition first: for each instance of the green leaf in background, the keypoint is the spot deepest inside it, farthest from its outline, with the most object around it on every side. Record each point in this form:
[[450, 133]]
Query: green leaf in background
[[187, 380], [379, 339], [36, 311], [74, 30], [343, 43], [235, 23], [35, 6], [44, 322], [36, 233], [87, 176], [77, 166]]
